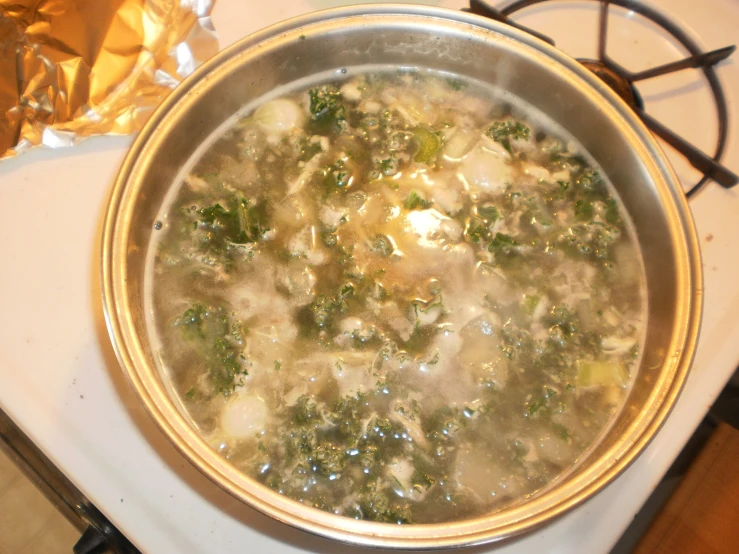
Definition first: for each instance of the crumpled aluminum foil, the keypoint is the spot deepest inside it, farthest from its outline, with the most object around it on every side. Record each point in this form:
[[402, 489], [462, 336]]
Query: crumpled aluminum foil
[[70, 69]]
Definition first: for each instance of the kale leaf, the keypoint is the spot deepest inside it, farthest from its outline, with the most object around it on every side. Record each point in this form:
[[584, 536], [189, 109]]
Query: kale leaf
[[219, 340], [506, 131]]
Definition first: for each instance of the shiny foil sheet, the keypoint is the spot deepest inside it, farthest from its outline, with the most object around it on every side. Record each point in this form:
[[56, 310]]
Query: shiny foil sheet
[[70, 69]]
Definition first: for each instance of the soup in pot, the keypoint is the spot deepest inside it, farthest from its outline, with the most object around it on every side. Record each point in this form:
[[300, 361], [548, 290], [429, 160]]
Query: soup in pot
[[397, 295]]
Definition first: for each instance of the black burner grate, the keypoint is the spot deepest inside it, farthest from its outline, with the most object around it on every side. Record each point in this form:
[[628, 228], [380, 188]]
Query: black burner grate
[[622, 80]]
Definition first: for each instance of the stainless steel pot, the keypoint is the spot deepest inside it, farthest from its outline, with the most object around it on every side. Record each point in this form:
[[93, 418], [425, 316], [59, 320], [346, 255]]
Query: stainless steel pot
[[443, 40]]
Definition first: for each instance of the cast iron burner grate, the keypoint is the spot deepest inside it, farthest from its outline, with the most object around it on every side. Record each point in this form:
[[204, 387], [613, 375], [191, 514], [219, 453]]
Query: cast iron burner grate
[[622, 80]]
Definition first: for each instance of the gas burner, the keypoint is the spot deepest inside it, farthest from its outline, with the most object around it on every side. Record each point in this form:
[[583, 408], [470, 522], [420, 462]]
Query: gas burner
[[622, 81], [621, 86]]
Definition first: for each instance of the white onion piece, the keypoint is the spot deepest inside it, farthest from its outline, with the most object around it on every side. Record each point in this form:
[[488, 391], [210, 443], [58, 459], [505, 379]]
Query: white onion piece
[[308, 170], [299, 281], [563, 175], [351, 324], [554, 450], [401, 472], [279, 116], [459, 144], [486, 172], [427, 316], [617, 345], [537, 172], [351, 371], [351, 92], [372, 107], [413, 429], [302, 246], [331, 218], [244, 417], [475, 472], [452, 229]]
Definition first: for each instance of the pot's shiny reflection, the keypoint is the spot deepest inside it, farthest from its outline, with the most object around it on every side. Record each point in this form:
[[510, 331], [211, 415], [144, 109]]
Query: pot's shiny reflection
[[449, 41]]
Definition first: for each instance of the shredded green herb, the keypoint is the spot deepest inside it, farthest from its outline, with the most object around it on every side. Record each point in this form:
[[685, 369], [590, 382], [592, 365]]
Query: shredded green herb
[[506, 131]]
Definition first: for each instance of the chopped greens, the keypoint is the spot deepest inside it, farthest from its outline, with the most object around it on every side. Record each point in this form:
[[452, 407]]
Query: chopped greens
[[415, 200], [477, 230], [506, 131], [222, 232], [218, 340], [240, 223], [327, 109], [503, 245], [489, 213]]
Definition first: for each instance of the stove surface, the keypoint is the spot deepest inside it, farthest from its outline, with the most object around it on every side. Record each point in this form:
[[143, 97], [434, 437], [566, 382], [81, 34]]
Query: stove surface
[[63, 386]]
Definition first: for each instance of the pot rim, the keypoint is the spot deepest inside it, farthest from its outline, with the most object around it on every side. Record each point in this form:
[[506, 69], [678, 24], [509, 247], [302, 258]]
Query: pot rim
[[506, 523]]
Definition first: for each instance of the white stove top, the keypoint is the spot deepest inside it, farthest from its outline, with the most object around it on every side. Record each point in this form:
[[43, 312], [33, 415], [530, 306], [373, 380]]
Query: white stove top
[[60, 381]]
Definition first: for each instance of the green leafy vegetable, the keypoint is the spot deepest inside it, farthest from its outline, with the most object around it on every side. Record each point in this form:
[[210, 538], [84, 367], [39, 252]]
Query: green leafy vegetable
[[442, 426], [222, 230], [456, 84], [376, 506], [323, 309], [420, 338], [591, 240], [220, 342], [562, 431], [588, 179], [327, 109], [503, 244], [328, 442], [336, 176], [583, 210], [535, 406], [613, 216], [415, 200], [191, 322], [564, 319], [506, 131], [477, 231], [387, 166], [382, 245], [489, 213], [239, 223]]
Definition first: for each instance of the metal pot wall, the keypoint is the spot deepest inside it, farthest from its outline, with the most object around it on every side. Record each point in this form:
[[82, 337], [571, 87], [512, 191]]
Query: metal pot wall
[[449, 41]]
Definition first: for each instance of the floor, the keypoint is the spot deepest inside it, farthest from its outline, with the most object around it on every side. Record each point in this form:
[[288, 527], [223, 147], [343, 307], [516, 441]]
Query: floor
[[703, 513], [724, 410], [29, 523]]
